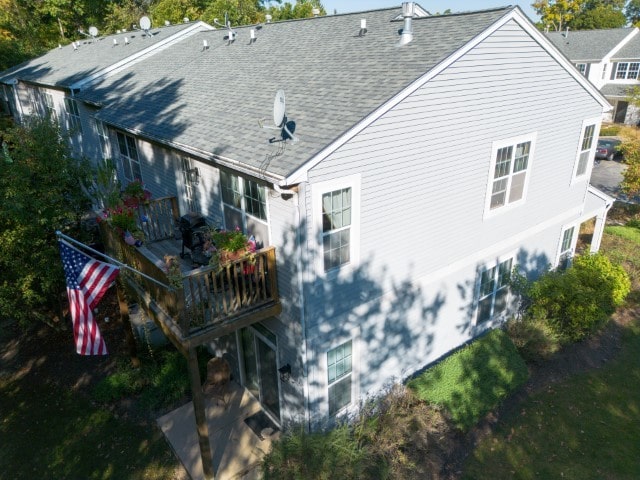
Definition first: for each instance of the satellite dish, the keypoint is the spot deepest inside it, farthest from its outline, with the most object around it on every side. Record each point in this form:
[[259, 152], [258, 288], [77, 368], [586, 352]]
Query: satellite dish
[[279, 107], [145, 23], [93, 31]]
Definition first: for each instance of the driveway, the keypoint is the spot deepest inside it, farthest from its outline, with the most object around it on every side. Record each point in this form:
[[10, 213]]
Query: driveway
[[606, 176]]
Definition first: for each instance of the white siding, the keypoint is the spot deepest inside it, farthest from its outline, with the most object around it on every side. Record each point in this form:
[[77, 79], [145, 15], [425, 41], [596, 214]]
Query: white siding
[[425, 169]]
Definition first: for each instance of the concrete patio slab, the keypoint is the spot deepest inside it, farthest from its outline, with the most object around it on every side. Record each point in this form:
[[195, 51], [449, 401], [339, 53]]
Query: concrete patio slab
[[236, 449]]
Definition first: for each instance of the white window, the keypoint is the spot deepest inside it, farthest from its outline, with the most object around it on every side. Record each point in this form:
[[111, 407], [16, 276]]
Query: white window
[[586, 149], [339, 376], [566, 248], [627, 71], [509, 175], [245, 206], [129, 157], [50, 109], [190, 179], [336, 214], [493, 291], [103, 136], [73, 116], [582, 68]]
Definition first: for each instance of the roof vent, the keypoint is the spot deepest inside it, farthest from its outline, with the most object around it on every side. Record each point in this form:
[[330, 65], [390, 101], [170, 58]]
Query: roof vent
[[59, 45], [205, 45], [115, 42], [75, 46], [268, 18], [315, 11], [126, 40], [363, 27], [185, 20], [167, 23], [252, 35], [566, 33], [407, 30]]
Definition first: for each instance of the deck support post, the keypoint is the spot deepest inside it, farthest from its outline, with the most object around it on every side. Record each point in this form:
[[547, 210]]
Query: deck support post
[[126, 323], [199, 409]]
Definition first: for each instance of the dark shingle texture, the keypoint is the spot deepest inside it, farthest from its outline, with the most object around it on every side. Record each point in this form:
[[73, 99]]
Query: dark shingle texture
[[211, 99], [588, 45], [64, 66], [616, 90]]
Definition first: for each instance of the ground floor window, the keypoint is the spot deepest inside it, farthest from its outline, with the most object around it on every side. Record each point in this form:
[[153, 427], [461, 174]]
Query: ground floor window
[[494, 291], [566, 248], [339, 365]]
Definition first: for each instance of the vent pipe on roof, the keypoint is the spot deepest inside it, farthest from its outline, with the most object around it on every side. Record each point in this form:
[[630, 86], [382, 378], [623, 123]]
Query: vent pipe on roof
[[315, 11], [167, 23], [363, 27], [566, 33], [268, 18], [407, 30]]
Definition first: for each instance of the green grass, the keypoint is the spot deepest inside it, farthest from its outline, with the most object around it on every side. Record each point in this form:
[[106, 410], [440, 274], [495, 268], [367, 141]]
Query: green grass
[[628, 233], [47, 433], [472, 381], [586, 428]]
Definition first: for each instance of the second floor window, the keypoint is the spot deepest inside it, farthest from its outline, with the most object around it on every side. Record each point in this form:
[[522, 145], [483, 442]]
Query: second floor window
[[586, 146], [509, 172], [627, 71], [336, 228], [129, 158], [73, 115], [582, 68]]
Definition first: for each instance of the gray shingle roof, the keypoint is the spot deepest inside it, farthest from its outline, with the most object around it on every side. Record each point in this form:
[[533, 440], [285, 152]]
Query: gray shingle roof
[[616, 90], [588, 45], [631, 51], [64, 66], [211, 99]]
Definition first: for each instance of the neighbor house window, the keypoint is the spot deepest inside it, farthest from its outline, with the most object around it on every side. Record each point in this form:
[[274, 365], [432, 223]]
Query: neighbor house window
[[627, 71], [129, 157], [566, 248], [585, 152], [73, 115], [493, 291], [582, 68], [245, 205], [510, 168], [339, 367]]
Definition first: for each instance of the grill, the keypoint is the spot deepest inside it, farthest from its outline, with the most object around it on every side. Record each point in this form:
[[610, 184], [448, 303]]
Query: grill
[[192, 227]]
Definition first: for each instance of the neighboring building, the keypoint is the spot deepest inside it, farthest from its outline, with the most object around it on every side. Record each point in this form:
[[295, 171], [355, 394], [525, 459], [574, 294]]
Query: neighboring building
[[610, 59], [420, 175]]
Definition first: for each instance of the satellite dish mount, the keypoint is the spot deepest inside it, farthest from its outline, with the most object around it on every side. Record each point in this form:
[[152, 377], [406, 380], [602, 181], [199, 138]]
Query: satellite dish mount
[[280, 121], [145, 25]]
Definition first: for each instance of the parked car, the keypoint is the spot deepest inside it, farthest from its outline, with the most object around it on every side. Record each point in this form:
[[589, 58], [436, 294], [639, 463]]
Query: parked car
[[607, 149]]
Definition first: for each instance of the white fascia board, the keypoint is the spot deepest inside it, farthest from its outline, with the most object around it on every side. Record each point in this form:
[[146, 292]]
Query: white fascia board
[[624, 41], [132, 59], [600, 194], [516, 14]]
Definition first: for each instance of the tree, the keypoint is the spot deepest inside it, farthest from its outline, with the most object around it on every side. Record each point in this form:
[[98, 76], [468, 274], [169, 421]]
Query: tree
[[633, 12], [40, 192], [176, 10], [557, 13], [301, 9], [597, 14], [238, 12]]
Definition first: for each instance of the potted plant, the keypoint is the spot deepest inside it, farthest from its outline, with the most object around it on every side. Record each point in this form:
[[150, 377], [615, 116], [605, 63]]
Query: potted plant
[[229, 245], [135, 194]]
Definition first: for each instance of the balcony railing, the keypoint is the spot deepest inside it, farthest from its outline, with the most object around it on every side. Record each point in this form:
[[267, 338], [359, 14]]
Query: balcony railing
[[205, 302]]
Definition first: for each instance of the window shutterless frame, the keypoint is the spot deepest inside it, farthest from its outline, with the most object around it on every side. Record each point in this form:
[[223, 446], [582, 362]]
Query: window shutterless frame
[[509, 173], [492, 290], [586, 149]]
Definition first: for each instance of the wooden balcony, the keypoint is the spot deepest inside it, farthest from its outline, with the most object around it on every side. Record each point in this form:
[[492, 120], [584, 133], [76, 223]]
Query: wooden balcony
[[200, 304]]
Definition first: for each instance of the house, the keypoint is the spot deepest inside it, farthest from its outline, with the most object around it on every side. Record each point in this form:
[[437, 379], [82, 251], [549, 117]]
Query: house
[[610, 59], [416, 160]]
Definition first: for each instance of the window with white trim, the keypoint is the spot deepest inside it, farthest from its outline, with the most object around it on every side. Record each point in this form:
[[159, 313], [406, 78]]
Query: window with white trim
[[339, 373], [74, 124], [627, 71], [50, 109], [245, 206], [103, 136], [336, 228], [566, 248], [585, 152], [510, 167], [582, 68], [493, 291], [129, 158]]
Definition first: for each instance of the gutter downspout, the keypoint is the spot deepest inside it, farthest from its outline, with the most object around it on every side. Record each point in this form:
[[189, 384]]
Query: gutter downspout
[[303, 320]]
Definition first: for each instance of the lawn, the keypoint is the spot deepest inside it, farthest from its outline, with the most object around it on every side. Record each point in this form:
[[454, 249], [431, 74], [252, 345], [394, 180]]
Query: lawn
[[587, 427]]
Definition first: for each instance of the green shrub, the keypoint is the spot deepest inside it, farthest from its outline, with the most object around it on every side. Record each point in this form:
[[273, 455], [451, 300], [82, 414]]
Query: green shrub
[[609, 130], [472, 381], [534, 338], [579, 300]]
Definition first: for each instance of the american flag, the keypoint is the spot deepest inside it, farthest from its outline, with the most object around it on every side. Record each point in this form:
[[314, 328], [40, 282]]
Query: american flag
[[87, 281]]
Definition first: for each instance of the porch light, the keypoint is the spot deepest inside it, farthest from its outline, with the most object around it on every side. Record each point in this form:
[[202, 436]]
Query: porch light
[[285, 373]]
